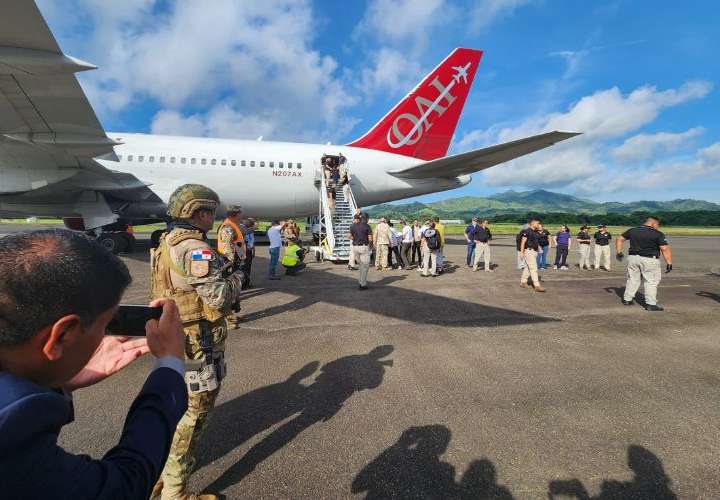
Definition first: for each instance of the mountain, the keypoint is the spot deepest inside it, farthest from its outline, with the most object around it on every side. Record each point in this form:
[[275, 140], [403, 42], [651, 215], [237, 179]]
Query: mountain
[[538, 200]]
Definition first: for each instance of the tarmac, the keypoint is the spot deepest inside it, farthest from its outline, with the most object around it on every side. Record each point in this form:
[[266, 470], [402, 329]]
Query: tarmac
[[463, 386]]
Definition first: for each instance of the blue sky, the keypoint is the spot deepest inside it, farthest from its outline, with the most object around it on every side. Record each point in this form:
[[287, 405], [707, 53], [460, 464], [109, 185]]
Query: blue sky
[[639, 78]]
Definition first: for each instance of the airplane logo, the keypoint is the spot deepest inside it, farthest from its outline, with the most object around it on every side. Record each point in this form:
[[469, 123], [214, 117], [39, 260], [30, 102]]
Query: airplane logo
[[421, 124]]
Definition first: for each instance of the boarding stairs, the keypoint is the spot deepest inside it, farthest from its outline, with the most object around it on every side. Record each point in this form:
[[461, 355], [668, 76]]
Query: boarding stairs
[[334, 225]]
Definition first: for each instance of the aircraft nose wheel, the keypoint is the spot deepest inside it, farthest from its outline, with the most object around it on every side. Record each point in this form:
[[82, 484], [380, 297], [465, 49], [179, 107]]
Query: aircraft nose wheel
[[115, 243]]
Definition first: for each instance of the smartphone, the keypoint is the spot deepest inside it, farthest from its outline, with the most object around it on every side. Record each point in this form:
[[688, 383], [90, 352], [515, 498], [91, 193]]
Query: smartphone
[[129, 320]]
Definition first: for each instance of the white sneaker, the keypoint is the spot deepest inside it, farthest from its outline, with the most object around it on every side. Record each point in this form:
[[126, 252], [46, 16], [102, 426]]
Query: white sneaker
[[555, 268], [564, 268]]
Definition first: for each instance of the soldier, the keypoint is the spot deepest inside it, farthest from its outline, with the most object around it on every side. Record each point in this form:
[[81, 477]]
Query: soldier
[[646, 245], [231, 243], [186, 269]]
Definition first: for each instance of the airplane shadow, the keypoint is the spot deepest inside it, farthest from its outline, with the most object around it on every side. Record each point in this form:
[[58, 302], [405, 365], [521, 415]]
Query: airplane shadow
[[319, 284], [236, 421]]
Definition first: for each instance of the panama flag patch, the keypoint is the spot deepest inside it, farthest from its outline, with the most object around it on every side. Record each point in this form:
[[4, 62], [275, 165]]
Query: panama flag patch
[[205, 254]]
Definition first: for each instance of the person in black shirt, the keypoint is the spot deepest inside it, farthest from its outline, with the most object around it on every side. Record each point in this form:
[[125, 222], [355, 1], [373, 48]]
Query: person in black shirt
[[544, 244], [482, 237], [646, 245], [583, 239], [529, 251], [361, 240], [602, 247]]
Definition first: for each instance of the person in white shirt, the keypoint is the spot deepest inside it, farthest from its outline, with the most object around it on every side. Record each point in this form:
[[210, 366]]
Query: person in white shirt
[[423, 248], [406, 244], [395, 238], [275, 237]]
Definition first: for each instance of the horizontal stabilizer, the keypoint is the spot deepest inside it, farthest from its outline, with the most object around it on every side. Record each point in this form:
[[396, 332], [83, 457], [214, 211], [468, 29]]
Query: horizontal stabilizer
[[480, 159]]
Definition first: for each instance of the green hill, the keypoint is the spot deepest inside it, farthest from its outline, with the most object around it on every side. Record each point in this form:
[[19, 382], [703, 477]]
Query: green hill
[[537, 201]]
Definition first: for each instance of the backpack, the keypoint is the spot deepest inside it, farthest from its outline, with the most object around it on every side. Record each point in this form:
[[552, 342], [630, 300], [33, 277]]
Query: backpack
[[431, 239]]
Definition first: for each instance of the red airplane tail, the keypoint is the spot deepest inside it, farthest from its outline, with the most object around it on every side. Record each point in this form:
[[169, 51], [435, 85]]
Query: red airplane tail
[[423, 122]]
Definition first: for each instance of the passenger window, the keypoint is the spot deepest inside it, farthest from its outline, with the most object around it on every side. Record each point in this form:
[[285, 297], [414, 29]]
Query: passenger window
[[172, 159], [233, 163], [183, 160], [252, 163], [272, 164], [289, 164], [262, 163], [151, 159], [213, 162], [130, 157], [141, 158], [193, 161], [203, 162], [280, 164], [242, 163], [223, 162], [299, 166], [162, 159]]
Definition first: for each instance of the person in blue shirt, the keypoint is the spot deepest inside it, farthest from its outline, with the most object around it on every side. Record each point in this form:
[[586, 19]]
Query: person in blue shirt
[[59, 290], [562, 244], [470, 238]]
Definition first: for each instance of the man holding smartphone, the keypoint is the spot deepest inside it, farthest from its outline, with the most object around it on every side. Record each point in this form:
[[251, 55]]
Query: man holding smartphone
[[59, 290], [186, 269]]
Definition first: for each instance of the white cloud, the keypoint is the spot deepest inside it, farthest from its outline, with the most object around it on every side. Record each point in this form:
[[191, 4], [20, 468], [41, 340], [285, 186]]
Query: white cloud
[[404, 22], [255, 56], [486, 12], [601, 117], [646, 146], [391, 71]]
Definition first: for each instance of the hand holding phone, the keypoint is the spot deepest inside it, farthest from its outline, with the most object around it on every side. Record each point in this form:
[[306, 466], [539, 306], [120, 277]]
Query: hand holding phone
[[130, 320], [165, 335]]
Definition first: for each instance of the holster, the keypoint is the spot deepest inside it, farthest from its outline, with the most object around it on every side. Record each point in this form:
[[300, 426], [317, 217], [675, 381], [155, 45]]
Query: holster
[[204, 375]]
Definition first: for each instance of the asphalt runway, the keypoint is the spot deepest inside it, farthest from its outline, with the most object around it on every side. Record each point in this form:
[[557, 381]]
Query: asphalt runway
[[462, 386]]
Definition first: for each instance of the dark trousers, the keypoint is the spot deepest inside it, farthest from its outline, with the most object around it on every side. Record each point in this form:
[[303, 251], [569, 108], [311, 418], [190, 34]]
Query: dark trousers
[[561, 253], [293, 270], [470, 253], [405, 254], [396, 252], [416, 249], [247, 267]]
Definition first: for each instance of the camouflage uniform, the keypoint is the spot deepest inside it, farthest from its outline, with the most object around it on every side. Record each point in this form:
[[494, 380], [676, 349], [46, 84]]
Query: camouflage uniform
[[187, 269], [230, 239]]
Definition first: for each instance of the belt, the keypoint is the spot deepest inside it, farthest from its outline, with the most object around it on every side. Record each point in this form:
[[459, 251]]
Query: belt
[[360, 244], [645, 255]]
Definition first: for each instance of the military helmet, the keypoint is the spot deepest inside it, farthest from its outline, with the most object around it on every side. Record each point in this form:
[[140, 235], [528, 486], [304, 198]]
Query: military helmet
[[189, 198], [233, 209]]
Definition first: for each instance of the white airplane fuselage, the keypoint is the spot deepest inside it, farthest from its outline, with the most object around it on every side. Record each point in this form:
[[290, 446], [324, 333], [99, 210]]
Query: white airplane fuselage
[[268, 179]]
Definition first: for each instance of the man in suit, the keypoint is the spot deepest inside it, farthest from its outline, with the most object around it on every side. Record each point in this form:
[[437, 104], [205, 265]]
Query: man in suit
[[58, 292]]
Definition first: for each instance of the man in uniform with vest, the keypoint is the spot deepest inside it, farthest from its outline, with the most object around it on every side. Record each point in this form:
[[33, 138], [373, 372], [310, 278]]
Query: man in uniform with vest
[[646, 245], [188, 270], [231, 243]]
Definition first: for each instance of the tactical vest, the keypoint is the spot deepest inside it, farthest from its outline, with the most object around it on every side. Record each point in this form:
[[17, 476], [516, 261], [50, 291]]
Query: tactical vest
[[190, 305], [238, 235]]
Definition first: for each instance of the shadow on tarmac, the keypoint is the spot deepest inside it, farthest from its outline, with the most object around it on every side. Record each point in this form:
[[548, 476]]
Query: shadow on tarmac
[[412, 468], [649, 482], [709, 295], [620, 292], [238, 420]]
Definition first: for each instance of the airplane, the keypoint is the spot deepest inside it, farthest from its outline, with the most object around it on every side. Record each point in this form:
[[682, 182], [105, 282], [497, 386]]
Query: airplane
[[56, 160]]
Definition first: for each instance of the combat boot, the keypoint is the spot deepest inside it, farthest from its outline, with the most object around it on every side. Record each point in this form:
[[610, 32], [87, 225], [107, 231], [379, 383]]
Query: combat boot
[[199, 496]]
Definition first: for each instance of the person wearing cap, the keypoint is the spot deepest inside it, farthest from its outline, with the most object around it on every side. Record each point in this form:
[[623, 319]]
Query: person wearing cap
[[583, 239], [529, 251], [602, 247], [646, 245], [482, 245], [361, 238], [470, 239]]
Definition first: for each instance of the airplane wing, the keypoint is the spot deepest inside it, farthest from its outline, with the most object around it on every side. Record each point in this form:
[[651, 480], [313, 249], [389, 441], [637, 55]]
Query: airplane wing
[[49, 133], [480, 159]]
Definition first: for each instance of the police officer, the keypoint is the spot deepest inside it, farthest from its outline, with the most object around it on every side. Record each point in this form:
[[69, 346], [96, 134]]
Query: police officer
[[188, 270], [583, 239], [602, 247], [646, 245]]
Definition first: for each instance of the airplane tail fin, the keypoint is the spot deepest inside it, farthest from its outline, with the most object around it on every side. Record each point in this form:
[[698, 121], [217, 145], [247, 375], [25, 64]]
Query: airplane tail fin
[[422, 124]]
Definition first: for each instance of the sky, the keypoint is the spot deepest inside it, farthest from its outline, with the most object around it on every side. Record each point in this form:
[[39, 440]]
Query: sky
[[639, 78]]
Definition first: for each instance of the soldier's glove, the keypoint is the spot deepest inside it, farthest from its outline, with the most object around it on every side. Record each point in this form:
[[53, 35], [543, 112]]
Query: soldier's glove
[[619, 256], [668, 268]]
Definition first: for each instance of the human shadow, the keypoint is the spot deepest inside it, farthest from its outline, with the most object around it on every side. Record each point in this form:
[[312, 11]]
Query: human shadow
[[412, 468], [337, 381], [238, 420], [709, 295], [649, 482]]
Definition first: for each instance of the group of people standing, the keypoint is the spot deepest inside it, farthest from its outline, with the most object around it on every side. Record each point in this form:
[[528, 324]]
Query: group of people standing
[[411, 245], [336, 176], [285, 233]]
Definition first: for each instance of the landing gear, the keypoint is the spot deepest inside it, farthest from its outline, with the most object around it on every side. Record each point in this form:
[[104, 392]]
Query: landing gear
[[116, 242]]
